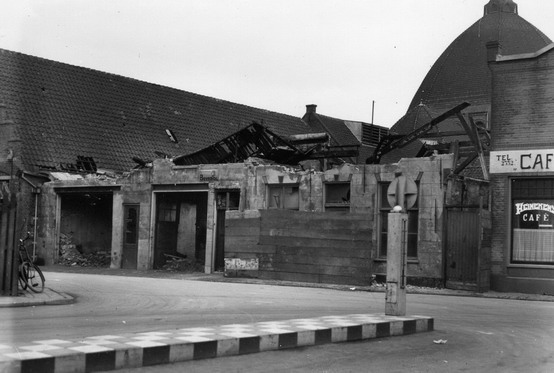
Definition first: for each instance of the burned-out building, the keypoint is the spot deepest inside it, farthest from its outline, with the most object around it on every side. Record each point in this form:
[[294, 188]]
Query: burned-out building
[[266, 220], [61, 124]]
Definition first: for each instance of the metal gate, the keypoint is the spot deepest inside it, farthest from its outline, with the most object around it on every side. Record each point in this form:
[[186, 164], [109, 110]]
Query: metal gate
[[8, 248], [462, 249]]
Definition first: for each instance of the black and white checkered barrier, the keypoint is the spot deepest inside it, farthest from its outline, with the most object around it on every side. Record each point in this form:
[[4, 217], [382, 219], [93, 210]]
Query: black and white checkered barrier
[[110, 352]]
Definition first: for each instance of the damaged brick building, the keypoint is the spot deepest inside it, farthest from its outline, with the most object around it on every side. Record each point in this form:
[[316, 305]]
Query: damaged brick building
[[145, 172]]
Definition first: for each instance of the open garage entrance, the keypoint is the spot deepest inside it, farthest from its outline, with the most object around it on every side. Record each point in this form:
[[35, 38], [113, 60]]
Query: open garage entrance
[[181, 219], [85, 226]]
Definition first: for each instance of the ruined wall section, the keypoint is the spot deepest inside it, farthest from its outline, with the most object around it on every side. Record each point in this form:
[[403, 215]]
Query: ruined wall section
[[49, 238], [365, 188], [315, 247], [136, 189], [429, 174]]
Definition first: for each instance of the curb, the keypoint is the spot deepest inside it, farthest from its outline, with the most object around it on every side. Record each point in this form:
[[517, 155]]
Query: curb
[[220, 277], [110, 352], [47, 297]]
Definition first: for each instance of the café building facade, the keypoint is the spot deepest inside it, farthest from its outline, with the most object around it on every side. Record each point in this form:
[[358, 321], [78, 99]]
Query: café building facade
[[522, 171]]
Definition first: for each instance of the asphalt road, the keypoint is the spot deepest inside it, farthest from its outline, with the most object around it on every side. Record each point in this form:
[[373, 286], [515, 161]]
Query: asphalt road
[[482, 334]]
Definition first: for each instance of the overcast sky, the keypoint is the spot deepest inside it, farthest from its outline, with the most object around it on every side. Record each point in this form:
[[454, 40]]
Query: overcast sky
[[277, 55]]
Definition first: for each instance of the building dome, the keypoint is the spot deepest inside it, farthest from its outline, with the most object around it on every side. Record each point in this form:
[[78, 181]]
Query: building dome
[[461, 73]]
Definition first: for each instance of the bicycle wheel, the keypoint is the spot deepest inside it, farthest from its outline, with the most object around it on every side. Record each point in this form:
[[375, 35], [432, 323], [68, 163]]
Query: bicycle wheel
[[22, 278], [35, 278]]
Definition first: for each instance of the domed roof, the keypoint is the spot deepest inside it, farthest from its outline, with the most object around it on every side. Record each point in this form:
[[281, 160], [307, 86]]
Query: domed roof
[[461, 73]]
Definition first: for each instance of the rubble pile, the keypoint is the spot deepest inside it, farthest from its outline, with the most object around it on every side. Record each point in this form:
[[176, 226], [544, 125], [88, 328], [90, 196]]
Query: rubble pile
[[71, 256], [180, 264]]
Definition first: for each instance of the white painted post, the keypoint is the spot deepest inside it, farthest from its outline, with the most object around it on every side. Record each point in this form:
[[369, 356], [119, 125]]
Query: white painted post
[[395, 301], [401, 195]]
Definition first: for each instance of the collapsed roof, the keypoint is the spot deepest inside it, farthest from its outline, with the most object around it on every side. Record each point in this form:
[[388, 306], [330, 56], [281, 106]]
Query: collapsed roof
[[257, 140]]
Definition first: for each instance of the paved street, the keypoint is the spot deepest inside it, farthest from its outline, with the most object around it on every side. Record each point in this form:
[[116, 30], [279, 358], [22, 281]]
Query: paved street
[[482, 334]]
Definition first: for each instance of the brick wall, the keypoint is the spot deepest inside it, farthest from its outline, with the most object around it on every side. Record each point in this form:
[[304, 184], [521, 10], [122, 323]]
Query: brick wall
[[522, 112], [523, 103]]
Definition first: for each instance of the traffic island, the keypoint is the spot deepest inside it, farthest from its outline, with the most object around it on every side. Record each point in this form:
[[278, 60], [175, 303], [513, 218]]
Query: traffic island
[[111, 352]]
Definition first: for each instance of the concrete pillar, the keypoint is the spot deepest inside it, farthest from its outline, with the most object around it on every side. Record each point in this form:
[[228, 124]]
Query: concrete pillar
[[117, 230], [397, 241], [210, 233]]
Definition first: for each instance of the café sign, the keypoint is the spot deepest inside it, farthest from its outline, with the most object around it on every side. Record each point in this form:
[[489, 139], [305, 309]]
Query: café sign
[[522, 161]]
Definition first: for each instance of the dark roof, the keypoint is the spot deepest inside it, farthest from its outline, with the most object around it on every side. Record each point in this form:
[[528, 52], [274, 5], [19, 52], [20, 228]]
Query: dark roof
[[461, 73], [462, 69], [66, 111], [336, 128]]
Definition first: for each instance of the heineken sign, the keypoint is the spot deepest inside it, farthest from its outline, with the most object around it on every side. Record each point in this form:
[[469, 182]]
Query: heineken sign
[[522, 161]]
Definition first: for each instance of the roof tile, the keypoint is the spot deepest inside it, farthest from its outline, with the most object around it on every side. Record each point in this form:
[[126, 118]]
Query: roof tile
[[65, 111]]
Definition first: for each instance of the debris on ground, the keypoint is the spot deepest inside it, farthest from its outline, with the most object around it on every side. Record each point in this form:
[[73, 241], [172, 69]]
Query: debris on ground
[[181, 264], [71, 256]]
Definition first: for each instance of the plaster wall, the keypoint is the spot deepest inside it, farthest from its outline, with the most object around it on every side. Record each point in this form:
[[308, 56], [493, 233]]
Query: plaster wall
[[136, 188]]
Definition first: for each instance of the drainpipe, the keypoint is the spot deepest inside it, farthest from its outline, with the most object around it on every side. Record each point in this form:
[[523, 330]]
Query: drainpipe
[[36, 192]]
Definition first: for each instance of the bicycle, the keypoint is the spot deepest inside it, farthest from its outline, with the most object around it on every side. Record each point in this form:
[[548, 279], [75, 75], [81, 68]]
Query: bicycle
[[30, 275]]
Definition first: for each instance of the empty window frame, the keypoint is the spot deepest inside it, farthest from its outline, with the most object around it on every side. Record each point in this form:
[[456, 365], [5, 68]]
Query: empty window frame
[[228, 200], [283, 196], [337, 196], [413, 223]]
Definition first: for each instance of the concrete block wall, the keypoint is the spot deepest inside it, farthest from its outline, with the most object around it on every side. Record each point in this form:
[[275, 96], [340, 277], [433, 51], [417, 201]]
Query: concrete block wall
[[365, 183], [302, 246]]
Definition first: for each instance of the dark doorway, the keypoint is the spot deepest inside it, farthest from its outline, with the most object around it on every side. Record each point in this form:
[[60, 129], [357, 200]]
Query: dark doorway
[[180, 226], [225, 200], [86, 222], [130, 236]]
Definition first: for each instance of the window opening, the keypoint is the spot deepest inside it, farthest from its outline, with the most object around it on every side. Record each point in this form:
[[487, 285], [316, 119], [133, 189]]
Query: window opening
[[228, 200], [413, 223], [337, 196], [283, 196]]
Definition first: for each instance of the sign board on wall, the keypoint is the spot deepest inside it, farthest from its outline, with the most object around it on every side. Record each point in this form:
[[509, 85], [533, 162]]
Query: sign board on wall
[[208, 176], [522, 161]]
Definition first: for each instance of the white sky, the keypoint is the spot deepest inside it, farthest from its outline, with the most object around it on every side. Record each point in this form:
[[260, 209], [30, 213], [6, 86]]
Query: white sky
[[277, 55]]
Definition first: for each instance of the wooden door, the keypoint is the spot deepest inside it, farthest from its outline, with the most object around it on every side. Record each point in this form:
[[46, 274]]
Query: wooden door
[[220, 241], [225, 200], [463, 240], [167, 227]]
